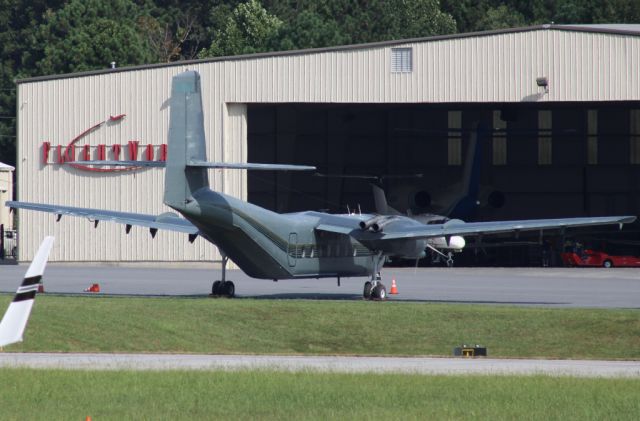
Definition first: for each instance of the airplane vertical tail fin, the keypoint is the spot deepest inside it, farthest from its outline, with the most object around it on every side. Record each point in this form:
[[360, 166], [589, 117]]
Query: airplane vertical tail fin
[[186, 141], [471, 173], [380, 200], [15, 319], [466, 204]]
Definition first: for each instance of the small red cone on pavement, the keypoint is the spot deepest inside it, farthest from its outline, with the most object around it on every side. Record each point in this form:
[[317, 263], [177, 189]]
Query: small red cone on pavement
[[93, 288], [40, 288], [394, 288]]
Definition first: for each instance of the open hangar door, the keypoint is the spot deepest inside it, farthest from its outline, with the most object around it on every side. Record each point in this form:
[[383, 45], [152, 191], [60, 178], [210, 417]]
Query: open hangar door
[[534, 161], [406, 145]]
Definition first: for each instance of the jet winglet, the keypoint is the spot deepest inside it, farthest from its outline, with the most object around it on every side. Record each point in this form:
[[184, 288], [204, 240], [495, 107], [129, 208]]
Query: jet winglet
[[15, 319]]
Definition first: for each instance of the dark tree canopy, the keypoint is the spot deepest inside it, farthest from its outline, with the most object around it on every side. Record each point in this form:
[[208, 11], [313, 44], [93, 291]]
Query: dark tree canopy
[[43, 37]]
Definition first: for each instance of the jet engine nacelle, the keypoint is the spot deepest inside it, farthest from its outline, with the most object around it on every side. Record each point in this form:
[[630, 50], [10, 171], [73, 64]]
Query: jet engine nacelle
[[375, 224]]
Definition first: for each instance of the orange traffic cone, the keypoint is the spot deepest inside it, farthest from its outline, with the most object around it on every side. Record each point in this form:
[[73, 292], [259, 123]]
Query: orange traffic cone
[[40, 288], [394, 288]]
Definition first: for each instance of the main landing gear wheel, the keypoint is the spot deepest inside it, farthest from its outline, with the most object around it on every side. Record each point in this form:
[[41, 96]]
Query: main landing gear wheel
[[215, 289], [368, 287], [379, 292], [374, 289], [223, 288]]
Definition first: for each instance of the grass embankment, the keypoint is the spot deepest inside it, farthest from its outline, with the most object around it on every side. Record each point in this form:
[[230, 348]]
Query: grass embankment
[[200, 325], [64, 395]]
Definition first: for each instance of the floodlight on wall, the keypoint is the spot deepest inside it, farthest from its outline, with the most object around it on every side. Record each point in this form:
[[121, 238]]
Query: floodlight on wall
[[543, 82]]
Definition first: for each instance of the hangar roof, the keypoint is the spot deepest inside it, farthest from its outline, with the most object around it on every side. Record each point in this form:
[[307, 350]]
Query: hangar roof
[[614, 29]]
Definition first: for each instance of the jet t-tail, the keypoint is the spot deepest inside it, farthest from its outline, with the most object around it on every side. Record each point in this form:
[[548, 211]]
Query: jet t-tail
[[270, 245]]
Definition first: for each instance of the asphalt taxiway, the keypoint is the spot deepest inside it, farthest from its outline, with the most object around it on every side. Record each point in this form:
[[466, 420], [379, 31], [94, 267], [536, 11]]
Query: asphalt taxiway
[[553, 287], [415, 365]]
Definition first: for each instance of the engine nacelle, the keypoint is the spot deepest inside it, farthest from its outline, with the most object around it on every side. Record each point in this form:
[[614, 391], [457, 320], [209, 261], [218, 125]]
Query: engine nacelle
[[375, 224]]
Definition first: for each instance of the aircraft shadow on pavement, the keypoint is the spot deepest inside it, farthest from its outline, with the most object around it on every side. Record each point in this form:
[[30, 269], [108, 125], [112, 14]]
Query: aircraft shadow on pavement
[[357, 297], [312, 296], [304, 296]]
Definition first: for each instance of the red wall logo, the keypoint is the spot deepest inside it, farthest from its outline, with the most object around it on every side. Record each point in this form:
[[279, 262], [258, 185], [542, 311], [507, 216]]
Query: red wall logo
[[68, 155]]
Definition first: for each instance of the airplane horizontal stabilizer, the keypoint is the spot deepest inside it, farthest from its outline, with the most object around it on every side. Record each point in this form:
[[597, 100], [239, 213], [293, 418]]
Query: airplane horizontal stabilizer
[[202, 164], [250, 166], [15, 319]]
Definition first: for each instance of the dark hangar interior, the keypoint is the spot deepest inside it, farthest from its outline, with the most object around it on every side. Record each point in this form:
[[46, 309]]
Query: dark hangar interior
[[534, 161]]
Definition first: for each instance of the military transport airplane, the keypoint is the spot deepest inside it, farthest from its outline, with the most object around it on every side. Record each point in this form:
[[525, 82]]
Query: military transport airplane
[[17, 315], [269, 245]]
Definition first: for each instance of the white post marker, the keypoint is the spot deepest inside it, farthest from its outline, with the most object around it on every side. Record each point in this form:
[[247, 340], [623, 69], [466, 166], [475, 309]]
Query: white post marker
[[15, 319]]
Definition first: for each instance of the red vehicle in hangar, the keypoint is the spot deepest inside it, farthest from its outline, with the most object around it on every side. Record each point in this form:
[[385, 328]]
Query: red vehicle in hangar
[[597, 258]]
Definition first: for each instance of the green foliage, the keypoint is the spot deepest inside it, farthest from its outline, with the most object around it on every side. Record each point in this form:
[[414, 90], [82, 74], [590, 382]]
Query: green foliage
[[311, 29], [501, 17], [87, 35], [597, 11], [17, 19], [481, 15], [179, 30], [352, 22], [249, 29]]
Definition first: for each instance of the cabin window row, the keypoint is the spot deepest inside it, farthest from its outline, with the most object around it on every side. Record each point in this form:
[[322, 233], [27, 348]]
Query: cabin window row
[[326, 250]]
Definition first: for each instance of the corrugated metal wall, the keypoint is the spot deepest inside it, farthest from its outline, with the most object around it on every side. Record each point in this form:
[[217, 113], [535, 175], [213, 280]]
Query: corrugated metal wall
[[498, 68], [6, 193]]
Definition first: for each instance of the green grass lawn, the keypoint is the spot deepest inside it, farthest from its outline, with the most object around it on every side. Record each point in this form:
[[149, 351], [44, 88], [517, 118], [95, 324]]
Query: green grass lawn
[[201, 325], [68, 395]]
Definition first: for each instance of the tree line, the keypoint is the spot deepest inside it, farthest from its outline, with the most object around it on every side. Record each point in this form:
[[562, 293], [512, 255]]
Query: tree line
[[41, 37]]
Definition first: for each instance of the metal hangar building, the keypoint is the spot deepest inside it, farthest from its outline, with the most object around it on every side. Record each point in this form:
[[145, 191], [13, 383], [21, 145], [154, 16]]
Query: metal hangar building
[[558, 108]]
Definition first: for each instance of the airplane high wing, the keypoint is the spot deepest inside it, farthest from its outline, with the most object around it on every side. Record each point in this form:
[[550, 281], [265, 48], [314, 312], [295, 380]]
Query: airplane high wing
[[269, 245], [458, 227], [383, 232], [166, 221]]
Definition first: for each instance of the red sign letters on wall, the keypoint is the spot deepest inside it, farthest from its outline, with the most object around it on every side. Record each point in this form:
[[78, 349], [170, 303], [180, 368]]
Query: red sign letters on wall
[[66, 155]]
